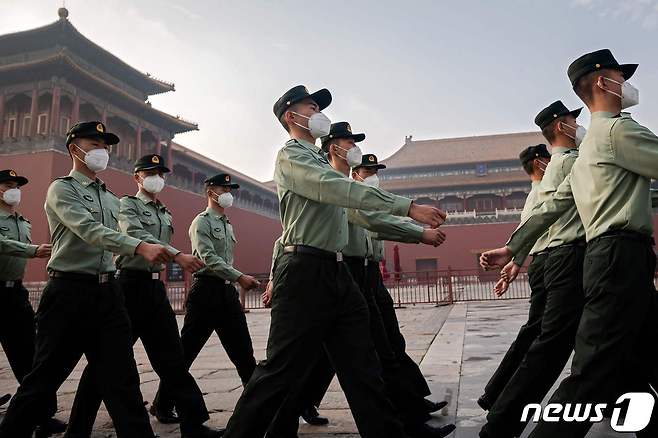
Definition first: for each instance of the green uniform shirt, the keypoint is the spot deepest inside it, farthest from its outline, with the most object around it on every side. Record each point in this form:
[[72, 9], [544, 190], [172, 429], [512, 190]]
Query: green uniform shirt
[[568, 228], [213, 242], [83, 219], [312, 194], [148, 221], [15, 245], [377, 248], [387, 227], [609, 182], [531, 202]]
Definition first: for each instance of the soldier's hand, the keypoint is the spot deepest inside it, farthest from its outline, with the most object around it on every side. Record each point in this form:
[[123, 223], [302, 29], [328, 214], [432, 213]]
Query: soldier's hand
[[267, 295], [43, 251], [247, 282], [496, 258], [426, 214], [433, 236], [510, 271], [153, 253], [501, 287], [189, 262]]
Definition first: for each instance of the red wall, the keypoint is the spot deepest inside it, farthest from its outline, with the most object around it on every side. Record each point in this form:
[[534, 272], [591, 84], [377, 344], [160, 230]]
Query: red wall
[[255, 233], [461, 247]]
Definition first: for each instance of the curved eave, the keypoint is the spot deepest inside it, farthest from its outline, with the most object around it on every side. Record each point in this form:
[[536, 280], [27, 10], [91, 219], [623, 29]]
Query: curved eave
[[63, 33], [455, 181], [175, 125]]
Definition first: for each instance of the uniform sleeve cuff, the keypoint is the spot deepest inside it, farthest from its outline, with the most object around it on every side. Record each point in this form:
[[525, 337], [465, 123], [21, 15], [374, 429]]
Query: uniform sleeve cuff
[[173, 251], [130, 245], [513, 245], [32, 250], [417, 233], [235, 274], [401, 206]]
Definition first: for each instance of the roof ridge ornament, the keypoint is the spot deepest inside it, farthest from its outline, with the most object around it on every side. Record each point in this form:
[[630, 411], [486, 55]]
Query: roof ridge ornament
[[62, 12]]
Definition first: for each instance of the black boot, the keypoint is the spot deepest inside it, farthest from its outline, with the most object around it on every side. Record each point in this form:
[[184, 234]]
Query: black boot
[[311, 416], [49, 427], [163, 415], [201, 431], [434, 406], [484, 402], [4, 399]]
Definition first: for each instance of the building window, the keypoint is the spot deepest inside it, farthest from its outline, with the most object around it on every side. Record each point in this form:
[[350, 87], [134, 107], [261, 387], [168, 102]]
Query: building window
[[484, 204], [129, 149], [11, 127], [26, 129], [64, 125], [42, 124], [481, 169]]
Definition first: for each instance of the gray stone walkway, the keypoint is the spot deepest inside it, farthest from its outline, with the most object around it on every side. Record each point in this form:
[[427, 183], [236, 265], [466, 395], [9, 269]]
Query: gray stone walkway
[[458, 348]]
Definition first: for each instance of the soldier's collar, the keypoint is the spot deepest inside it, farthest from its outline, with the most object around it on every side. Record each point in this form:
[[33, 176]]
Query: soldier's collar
[[84, 179], [603, 115], [306, 144], [214, 214], [559, 149], [4, 213], [146, 200], [536, 183]]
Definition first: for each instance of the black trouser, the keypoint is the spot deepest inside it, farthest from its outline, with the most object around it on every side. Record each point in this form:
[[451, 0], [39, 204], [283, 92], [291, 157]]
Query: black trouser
[[154, 322], [17, 333], [527, 333], [314, 302], [76, 317], [213, 306], [616, 337], [408, 367], [550, 351]]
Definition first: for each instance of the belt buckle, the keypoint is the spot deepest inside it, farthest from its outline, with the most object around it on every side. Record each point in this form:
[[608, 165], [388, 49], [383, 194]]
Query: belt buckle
[[103, 278], [339, 256], [155, 275], [227, 281], [10, 283], [365, 262]]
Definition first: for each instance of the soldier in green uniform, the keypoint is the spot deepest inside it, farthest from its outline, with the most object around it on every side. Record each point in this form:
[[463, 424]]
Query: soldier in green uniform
[[343, 153], [609, 184], [315, 300], [367, 172], [213, 303], [16, 314], [81, 309], [546, 357], [152, 319]]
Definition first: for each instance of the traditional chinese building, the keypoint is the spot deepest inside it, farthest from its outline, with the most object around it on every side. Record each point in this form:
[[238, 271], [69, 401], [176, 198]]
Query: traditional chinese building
[[53, 76]]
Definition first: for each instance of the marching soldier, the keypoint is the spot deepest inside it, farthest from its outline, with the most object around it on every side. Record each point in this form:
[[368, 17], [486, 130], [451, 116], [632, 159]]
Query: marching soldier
[[213, 303], [81, 309], [16, 313], [342, 152], [534, 160], [609, 184], [563, 283], [152, 319], [315, 300]]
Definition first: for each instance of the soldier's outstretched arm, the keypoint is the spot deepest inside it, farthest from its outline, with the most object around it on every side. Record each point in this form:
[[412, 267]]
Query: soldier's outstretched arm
[[130, 224], [14, 248]]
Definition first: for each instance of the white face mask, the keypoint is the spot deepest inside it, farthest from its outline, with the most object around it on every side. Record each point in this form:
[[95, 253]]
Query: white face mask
[[353, 156], [96, 159], [630, 96], [318, 124], [579, 134], [372, 180], [224, 200], [153, 183], [12, 196]]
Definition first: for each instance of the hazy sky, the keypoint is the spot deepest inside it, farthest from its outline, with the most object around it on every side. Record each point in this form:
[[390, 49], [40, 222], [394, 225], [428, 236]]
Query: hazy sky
[[429, 68]]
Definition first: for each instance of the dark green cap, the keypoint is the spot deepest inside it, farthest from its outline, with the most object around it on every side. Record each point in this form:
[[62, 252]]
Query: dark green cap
[[151, 161], [297, 94], [90, 130], [11, 175], [342, 130], [221, 179], [370, 160], [532, 152], [598, 60], [552, 112]]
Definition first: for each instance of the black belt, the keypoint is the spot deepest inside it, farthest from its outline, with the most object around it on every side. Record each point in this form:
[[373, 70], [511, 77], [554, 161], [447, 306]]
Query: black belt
[[540, 253], [211, 277], [303, 249], [134, 274], [356, 260], [102, 278], [634, 235], [11, 283], [580, 243]]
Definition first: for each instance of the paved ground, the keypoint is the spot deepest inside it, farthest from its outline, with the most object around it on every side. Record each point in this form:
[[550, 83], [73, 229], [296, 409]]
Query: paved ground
[[457, 346]]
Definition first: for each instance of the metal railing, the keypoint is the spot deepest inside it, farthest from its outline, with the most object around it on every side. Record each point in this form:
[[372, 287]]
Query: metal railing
[[406, 288]]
